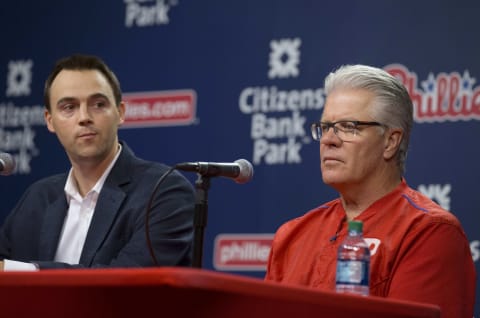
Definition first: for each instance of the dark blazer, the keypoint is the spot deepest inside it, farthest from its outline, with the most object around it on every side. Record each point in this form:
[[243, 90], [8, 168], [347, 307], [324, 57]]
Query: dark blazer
[[116, 237]]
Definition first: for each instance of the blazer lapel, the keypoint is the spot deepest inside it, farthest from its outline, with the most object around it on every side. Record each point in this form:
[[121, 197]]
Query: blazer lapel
[[107, 207], [51, 228]]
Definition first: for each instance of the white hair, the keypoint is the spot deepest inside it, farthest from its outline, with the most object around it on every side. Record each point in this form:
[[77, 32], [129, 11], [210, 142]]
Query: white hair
[[392, 104]]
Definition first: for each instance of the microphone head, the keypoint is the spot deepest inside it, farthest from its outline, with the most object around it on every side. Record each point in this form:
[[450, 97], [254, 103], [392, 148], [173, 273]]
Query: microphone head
[[7, 164], [246, 171]]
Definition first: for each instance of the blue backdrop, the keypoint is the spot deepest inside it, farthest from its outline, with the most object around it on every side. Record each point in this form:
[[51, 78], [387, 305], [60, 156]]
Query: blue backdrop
[[223, 80]]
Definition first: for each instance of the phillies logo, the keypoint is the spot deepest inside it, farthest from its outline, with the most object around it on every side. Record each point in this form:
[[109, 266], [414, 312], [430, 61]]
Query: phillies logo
[[444, 97], [242, 252]]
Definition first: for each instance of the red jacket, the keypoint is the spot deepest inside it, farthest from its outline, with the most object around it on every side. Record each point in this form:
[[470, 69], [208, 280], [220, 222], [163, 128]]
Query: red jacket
[[419, 251]]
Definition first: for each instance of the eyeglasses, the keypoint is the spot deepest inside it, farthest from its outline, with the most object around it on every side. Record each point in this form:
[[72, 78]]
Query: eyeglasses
[[346, 130]]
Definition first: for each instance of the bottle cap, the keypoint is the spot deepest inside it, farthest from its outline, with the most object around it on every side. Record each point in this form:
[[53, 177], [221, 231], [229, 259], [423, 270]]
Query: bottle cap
[[356, 226]]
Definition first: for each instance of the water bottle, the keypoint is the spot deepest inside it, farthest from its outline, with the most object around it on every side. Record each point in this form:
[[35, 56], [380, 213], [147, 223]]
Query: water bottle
[[353, 262]]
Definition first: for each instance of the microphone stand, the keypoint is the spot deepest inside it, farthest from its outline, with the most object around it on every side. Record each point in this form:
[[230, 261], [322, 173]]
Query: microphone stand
[[200, 219]]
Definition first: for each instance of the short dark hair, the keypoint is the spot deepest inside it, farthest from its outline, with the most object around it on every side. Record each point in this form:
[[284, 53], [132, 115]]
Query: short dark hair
[[82, 62]]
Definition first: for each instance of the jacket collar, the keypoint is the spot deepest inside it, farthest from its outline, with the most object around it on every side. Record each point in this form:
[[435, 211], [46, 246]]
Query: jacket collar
[[108, 205]]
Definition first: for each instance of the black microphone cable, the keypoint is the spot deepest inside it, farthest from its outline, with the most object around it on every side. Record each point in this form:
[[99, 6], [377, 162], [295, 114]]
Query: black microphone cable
[[147, 214]]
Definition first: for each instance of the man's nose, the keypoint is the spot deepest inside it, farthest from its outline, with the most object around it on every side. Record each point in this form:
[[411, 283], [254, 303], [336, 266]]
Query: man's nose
[[329, 136], [84, 114]]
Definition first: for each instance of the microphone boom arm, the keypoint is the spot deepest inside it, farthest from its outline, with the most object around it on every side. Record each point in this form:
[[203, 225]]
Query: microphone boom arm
[[200, 219]]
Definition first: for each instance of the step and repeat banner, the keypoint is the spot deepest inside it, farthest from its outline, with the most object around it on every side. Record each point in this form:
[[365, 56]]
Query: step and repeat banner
[[224, 80]]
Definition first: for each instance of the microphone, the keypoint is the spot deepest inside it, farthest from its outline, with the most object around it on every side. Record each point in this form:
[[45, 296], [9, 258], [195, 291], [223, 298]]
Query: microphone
[[7, 164], [241, 171]]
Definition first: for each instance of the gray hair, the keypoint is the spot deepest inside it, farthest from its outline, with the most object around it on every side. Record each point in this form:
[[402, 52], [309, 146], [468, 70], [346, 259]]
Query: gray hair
[[392, 104]]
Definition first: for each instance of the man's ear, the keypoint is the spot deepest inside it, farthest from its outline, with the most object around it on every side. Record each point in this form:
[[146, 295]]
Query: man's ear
[[392, 142], [48, 120], [121, 112]]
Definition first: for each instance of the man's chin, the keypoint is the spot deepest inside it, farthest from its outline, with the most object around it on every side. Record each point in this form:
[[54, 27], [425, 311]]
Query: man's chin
[[86, 154], [331, 179], [334, 182]]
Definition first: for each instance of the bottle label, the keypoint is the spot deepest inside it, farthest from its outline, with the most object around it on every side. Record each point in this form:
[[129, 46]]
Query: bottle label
[[352, 272]]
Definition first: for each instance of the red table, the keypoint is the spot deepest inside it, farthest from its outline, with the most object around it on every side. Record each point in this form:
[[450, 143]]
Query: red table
[[181, 292]]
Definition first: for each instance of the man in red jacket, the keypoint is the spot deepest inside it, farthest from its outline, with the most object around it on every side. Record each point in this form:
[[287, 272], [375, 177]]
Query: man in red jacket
[[419, 251]]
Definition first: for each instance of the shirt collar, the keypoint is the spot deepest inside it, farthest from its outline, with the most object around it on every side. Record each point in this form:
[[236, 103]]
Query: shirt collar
[[71, 189]]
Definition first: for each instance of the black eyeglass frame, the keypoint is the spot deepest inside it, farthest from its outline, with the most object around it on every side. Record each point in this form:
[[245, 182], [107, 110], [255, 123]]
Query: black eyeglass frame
[[317, 131]]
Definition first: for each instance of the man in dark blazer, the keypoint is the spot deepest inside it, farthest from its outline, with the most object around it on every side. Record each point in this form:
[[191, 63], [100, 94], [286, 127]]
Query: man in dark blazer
[[95, 216]]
